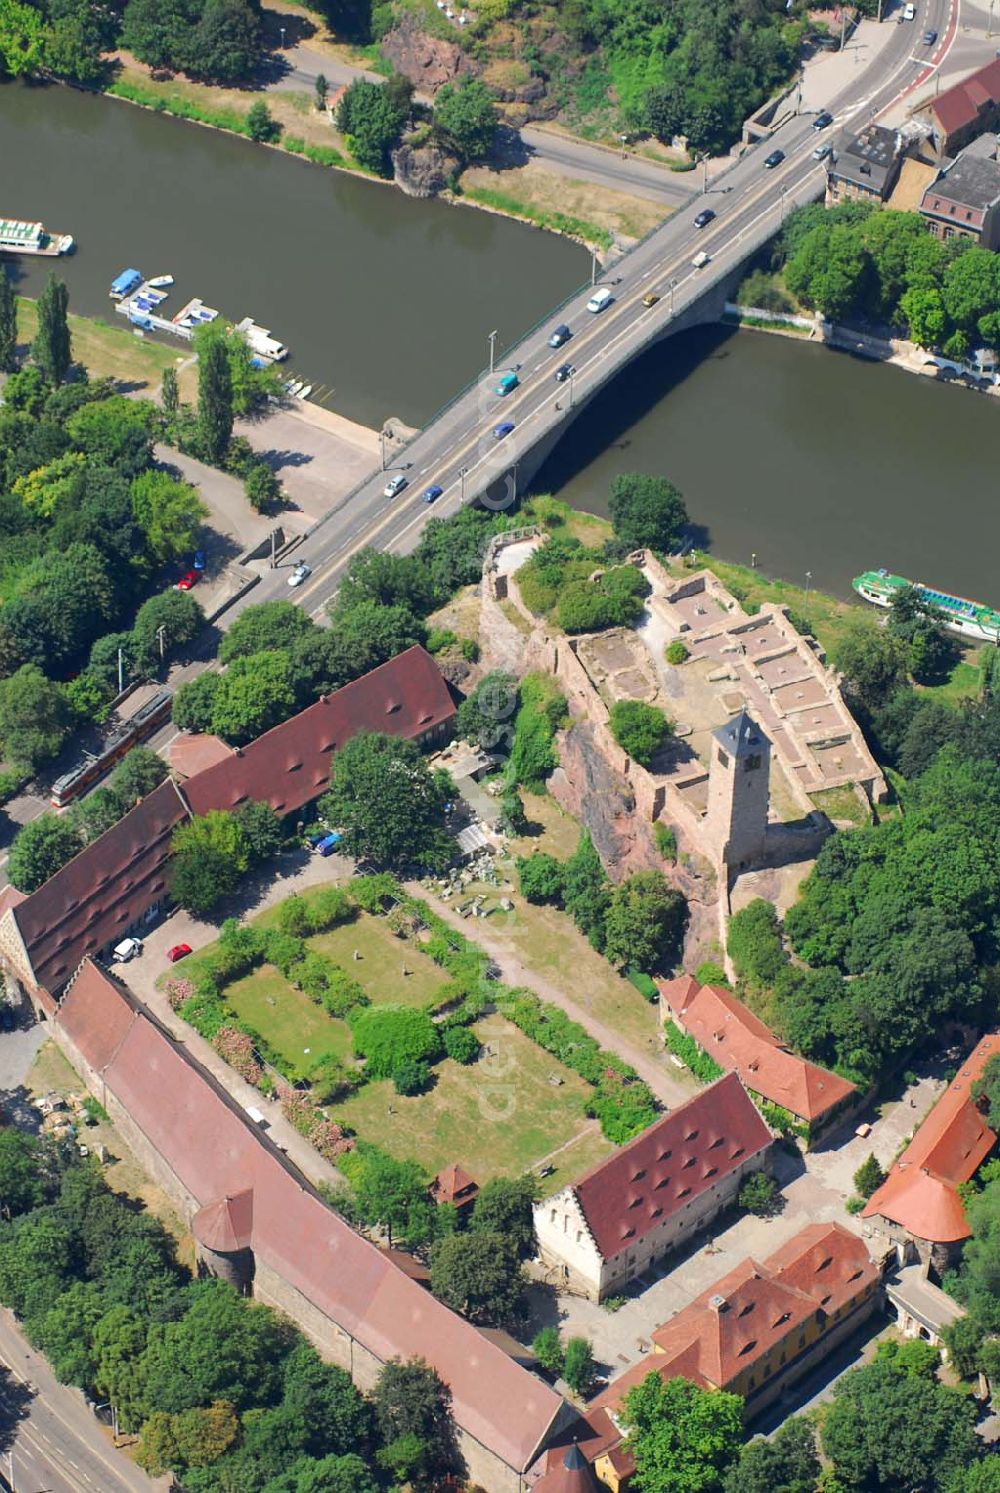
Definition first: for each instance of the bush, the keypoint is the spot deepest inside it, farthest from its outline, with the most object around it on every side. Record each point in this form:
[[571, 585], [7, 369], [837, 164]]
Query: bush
[[540, 877], [548, 1350], [411, 1077], [389, 1036], [710, 973], [645, 984], [579, 1369], [759, 1195], [461, 1045], [283, 950], [690, 1054], [293, 917], [666, 840], [261, 123], [639, 729], [440, 638], [342, 994], [329, 907], [676, 652]]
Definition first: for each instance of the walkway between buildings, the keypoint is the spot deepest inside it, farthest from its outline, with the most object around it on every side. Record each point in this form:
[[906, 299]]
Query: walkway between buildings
[[651, 1069]]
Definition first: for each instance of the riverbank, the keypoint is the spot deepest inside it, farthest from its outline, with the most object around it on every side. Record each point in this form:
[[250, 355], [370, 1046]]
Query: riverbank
[[114, 351]]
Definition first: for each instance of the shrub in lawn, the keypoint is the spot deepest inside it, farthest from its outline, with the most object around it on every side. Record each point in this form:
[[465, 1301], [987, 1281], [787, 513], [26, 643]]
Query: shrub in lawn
[[283, 950], [206, 1015], [375, 893], [312, 974], [411, 1077], [676, 652], [293, 917], [329, 907], [540, 877], [389, 1036], [342, 994], [461, 1044], [331, 1079]]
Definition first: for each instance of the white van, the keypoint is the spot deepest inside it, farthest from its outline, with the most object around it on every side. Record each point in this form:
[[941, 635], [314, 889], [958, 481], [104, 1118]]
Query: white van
[[700, 259], [127, 949], [600, 300]]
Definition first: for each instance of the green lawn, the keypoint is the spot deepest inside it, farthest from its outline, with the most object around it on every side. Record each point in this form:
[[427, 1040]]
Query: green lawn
[[499, 1115], [550, 828], [841, 804], [965, 681], [383, 958], [288, 1019]]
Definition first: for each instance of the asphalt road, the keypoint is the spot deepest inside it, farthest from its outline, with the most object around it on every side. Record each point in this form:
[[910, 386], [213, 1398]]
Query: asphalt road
[[57, 1445]]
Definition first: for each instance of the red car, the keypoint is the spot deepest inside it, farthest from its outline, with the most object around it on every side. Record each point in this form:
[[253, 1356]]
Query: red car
[[188, 579], [179, 951]]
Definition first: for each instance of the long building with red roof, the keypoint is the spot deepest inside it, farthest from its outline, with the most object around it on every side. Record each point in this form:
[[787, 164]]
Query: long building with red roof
[[730, 1033], [919, 1203], [243, 1198], [652, 1194]]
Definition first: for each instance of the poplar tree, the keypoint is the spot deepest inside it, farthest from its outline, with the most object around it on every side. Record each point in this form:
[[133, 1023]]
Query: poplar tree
[[215, 401], [168, 391], [51, 347], [8, 324]]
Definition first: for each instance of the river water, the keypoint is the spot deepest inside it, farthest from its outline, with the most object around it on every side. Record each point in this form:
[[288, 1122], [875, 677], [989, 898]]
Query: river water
[[814, 460], [386, 300]]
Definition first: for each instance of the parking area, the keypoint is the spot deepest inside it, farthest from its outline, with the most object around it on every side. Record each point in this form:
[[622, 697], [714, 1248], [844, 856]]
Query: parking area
[[319, 457]]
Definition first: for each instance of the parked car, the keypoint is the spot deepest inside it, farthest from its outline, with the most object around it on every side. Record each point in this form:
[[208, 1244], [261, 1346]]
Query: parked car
[[329, 843], [822, 120], [930, 37], [179, 951], [774, 159], [394, 485], [600, 300], [560, 334], [433, 493], [315, 835], [198, 563], [650, 298], [822, 151], [188, 579], [563, 372], [128, 949], [505, 429], [909, 13], [705, 217], [301, 573]]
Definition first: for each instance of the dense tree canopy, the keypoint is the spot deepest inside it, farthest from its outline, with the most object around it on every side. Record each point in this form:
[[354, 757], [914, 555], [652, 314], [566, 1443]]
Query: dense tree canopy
[[387, 802], [647, 512], [682, 1437]]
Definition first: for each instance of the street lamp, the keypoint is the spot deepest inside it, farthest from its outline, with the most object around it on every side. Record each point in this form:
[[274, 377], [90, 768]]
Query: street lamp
[[624, 140], [462, 475], [493, 344], [593, 266], [704, 179], [672, 285], [282, 30], [572, 376], [784, 189], [809, 576]]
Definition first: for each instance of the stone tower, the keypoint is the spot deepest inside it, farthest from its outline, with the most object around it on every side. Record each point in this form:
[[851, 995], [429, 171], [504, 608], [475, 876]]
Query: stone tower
[[736, 823], [223, 1232]]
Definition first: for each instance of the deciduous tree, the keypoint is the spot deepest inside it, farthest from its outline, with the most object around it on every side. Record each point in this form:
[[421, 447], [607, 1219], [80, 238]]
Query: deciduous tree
[[479, 1275], [645, 922], [647, 512], [387, 802], [8, 324], [168, 512], [682, 1438], [51, 347]]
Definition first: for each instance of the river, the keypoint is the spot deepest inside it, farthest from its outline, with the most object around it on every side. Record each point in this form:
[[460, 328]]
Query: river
[[814, 460], [385, 300]]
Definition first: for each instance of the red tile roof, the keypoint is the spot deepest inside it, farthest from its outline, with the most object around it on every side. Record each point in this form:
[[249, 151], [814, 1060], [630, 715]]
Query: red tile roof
[[216, 1152], [962, 104], [569, 1472], [690, 1150], [225, 1226], [920, 1192], [739, 1042], [193, 754], [97, 895], [743, 1316], [289, 766], [454, 1185]]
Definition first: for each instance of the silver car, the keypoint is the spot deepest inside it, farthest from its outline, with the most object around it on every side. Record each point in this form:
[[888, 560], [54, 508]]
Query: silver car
[[301, 573], [394, 485]]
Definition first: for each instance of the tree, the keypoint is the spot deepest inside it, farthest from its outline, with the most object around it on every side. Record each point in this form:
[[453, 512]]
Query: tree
[[390, 1194], [138, 773], [261, 123], [978, 1477], [39, 849], [647, 512], [22, 39], [270, 624], [871, 659], [645, 922], [225, 46], [331, 1474], [586, 890], [51, 347], [8, 324], [639, 729], [868, 1177], [261, 828], [922, 308], [759, 1195], [480, 1276], [169, 393], [971, 288], [168, 512], [194, 703], [461, 1044], [35, 717], [92, 816], [163, 624], [369, 634], [986, 1091], [786, 1464], [254, 694], [579, 1369], [465, 118], [388, 804], [390, 580], [262, 488], [410, 1400], [387, 1036], [486, 717], [158, 31], [540, 877], [322, 89], [22, 1180], [115, 431], [336, 1417], [892, 1425], [210, 854], [370, 117], [505, 1207], [215, 402], [682, 1437]]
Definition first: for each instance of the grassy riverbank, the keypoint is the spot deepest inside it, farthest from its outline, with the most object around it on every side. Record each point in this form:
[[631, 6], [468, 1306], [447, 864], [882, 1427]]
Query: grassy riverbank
[[115, 352]]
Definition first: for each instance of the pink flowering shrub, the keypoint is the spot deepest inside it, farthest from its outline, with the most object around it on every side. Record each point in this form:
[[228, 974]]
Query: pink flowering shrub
[[236, 1048]]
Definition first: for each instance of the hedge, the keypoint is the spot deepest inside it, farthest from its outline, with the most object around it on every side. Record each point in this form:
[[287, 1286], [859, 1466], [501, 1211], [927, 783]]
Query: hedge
[[645, 984], [690, 1054]]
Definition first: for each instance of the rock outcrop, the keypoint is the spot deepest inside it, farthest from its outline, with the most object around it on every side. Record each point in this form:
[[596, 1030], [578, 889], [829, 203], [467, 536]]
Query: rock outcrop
[[423, 170], [426, 60], [591, 790]]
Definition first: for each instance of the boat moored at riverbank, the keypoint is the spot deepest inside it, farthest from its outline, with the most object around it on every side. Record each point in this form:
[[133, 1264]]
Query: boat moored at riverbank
[[19, 237], [969, 618]]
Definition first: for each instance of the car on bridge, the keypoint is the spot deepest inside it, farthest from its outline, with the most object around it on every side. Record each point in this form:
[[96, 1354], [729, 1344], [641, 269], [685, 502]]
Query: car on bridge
[[822, 151], [508, 383], [505, 429], [600, 300], [394, 485], [705, 217], [433, 493], [774, 159], [650, 298], [560, 334], [565, 371]]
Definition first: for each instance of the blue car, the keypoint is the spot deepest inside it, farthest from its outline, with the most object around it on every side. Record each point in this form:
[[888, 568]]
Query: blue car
[[198, 563], [314, 836], [433, 493], [329, 844], [505, 429]]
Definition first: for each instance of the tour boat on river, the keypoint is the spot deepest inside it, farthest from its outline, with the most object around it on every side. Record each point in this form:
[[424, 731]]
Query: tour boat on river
[[19, 237], [957, 613]]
